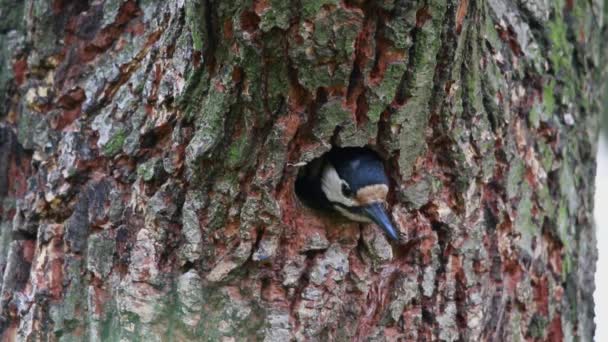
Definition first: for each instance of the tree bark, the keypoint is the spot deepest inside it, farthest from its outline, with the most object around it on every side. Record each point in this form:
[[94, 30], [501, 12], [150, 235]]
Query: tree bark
[[149, 149]]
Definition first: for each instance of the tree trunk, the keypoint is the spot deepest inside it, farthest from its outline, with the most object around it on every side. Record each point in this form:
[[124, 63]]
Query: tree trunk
[[149, 149]]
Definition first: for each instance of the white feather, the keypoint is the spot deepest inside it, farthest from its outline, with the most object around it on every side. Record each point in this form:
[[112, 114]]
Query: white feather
[[331, 183], [352, 216]]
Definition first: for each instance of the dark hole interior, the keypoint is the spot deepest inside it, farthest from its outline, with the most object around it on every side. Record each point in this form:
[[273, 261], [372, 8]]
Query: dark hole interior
[[308, 186]]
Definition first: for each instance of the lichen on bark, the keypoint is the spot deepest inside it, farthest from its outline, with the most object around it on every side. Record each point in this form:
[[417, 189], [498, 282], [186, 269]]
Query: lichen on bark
[[148, 152]]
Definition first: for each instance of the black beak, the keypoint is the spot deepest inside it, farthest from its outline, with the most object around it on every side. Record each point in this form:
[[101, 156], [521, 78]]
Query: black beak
[[376, 212]]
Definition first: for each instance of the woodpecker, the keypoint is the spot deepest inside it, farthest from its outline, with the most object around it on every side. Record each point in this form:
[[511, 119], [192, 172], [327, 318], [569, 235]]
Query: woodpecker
[[350, 181]]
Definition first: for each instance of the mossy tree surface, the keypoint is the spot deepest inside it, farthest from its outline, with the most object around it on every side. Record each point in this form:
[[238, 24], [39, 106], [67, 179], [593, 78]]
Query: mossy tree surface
[[148, 151]]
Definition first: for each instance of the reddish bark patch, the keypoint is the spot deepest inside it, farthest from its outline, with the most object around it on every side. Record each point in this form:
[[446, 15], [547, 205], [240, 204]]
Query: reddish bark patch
[[228, 29], [274, 292], [290, 125], [500, 97], [177, 155], [461, 13], [554, 248], [362, 108], [58, 6], [551, 135], [72, 99], [137, 29], [556, 334], [18, 172], [196, 59], [249, 21], [513, 275], [108, 35], [298, 98], [84, 40], [158, 75], [98, 45], [19, 70], [152, 38], [100, 296], [336, 91], [422, 16], [237, 75], [508, 36], [260, 6], [456, 268], [581, 35], [65, 118], [531, 178], [56, 278], [28, 251], [541, 294], [556, 260], [385, 55], [127, 11]]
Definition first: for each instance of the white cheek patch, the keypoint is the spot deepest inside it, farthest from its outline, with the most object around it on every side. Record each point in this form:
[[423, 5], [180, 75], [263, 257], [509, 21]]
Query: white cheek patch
[[352, 216], [332, 187]]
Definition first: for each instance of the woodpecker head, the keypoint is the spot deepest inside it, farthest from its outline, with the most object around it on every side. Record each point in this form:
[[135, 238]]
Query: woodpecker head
[[354, 182]]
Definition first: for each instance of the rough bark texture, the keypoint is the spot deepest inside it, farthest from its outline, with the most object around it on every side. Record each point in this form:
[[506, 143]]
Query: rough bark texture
[[148, 151]]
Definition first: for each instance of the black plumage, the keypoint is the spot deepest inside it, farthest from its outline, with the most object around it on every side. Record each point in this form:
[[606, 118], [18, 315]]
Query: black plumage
[[358, 166]]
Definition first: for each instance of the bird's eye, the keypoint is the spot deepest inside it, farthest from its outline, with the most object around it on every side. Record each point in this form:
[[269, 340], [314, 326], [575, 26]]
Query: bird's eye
[[346, 190]]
